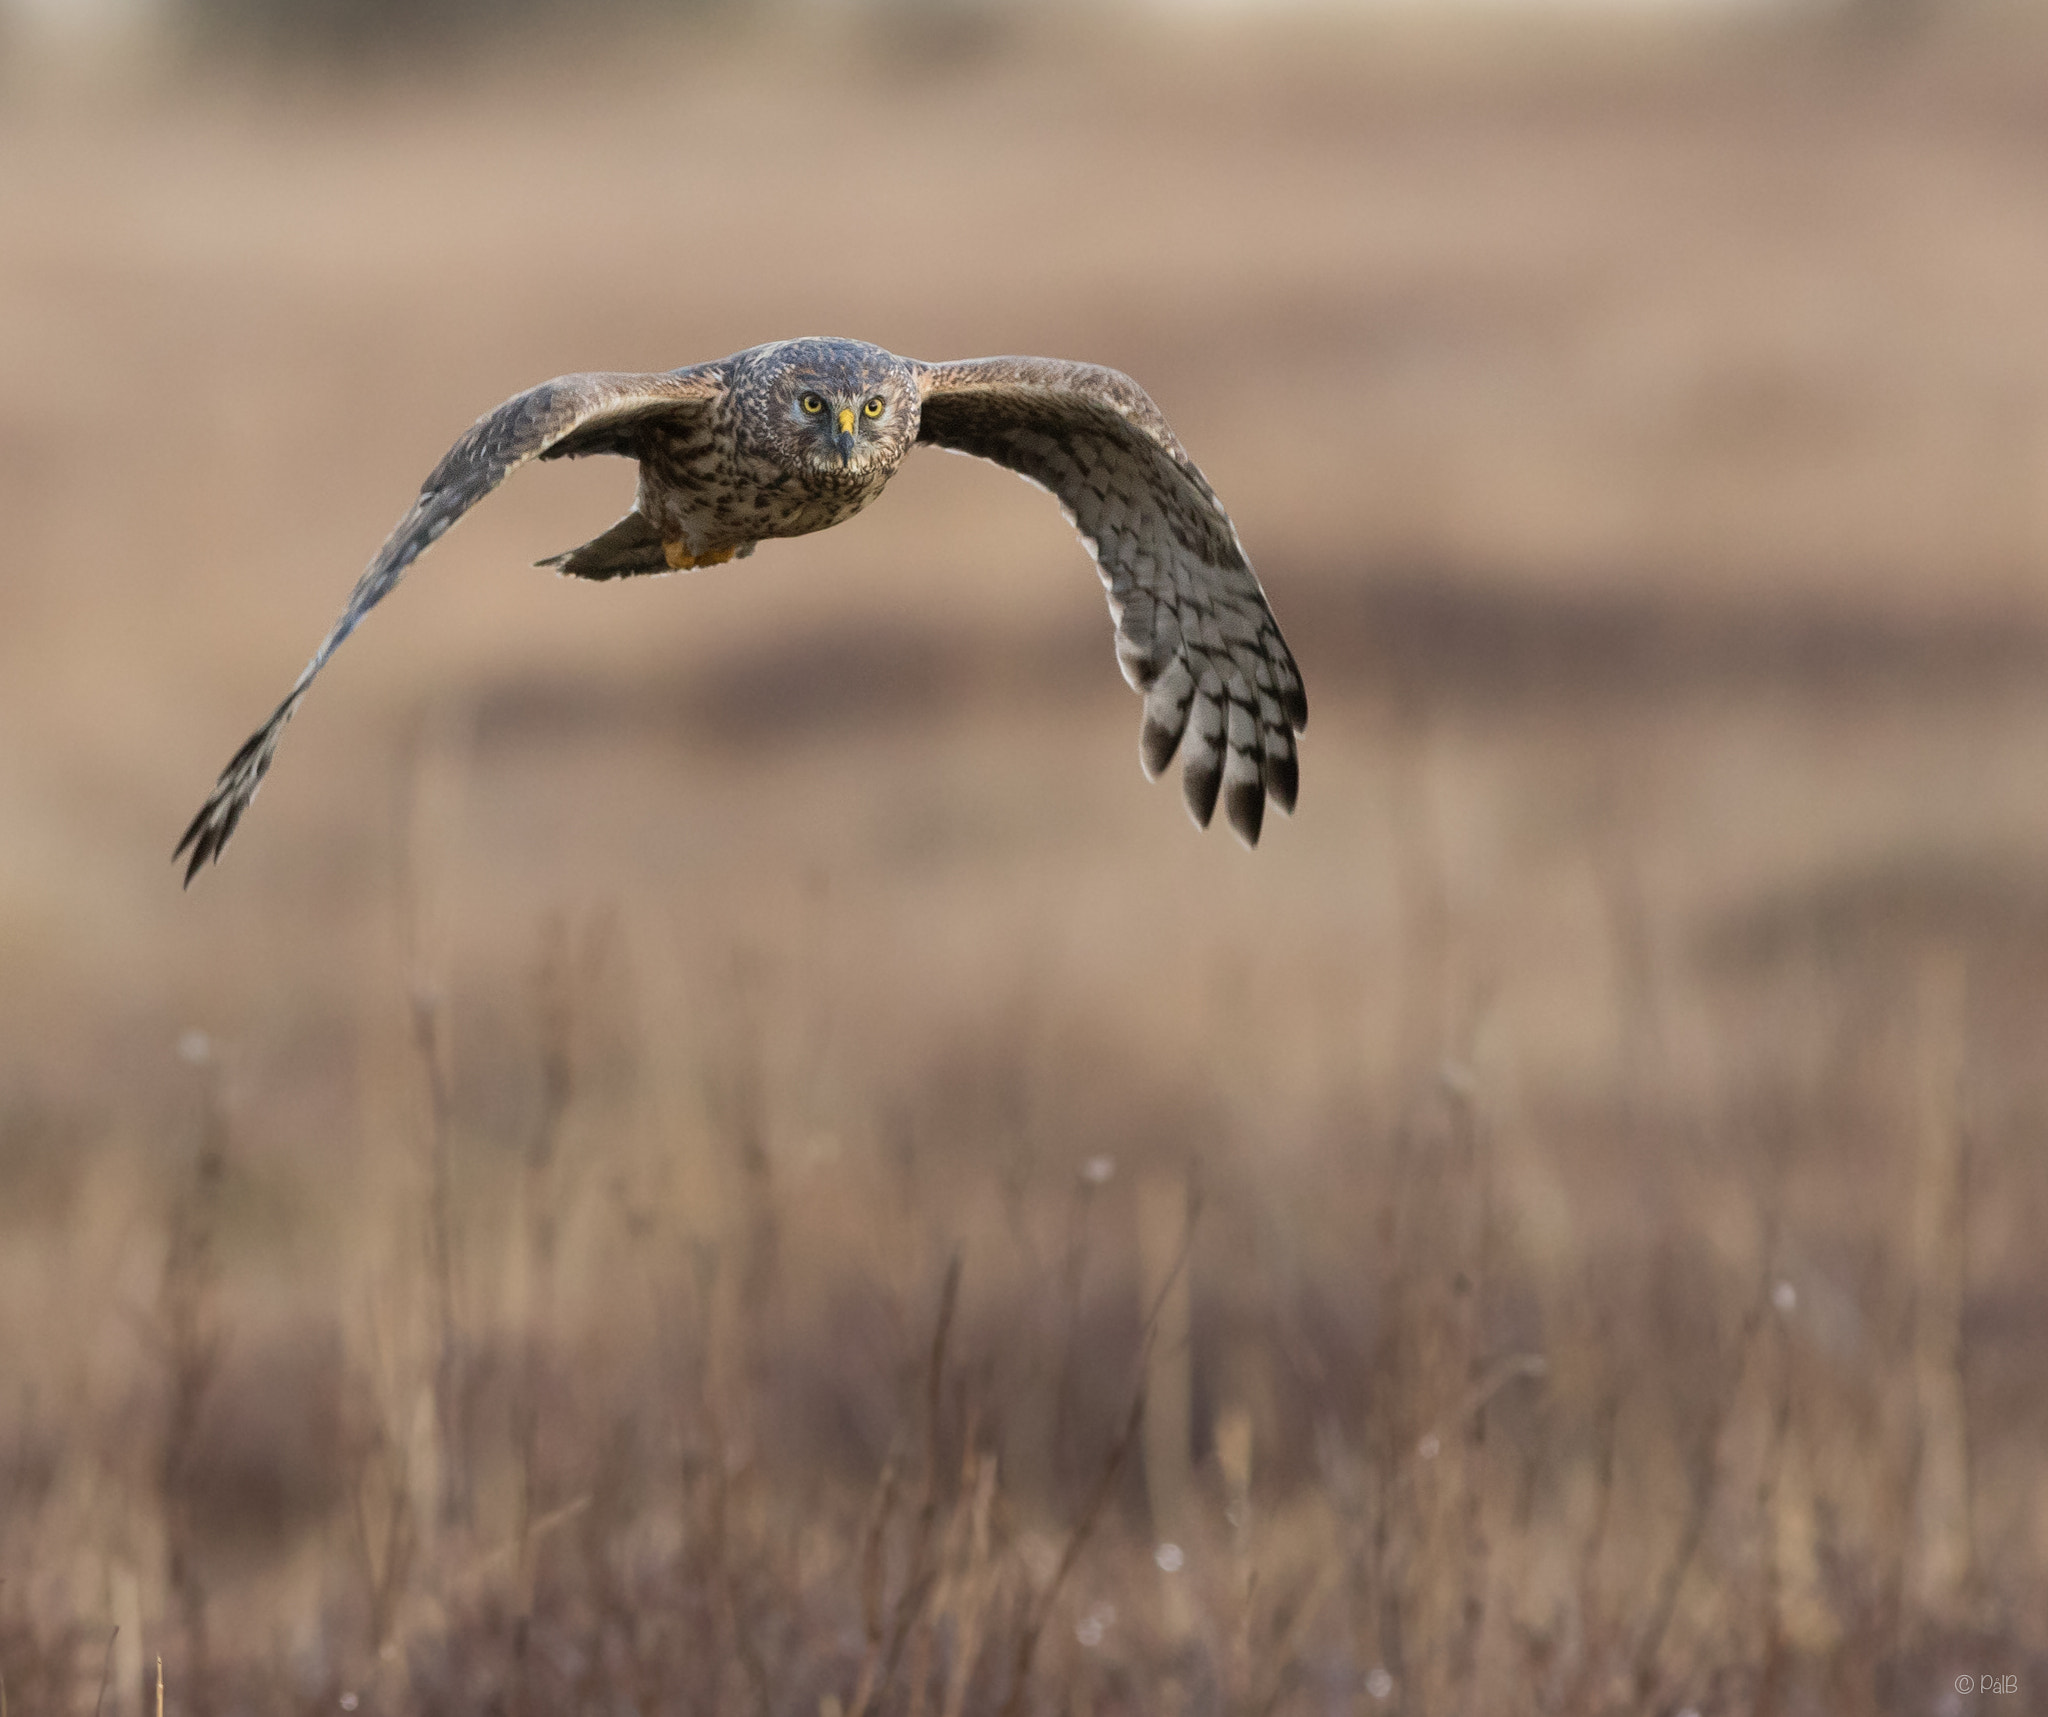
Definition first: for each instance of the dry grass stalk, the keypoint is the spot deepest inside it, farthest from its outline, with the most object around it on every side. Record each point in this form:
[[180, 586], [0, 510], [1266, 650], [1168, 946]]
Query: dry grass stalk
[[455, 1505], [1942, 1553], [1039, 1610], [732, 1604], [975, 1588], [386, 1535], [1572, 1689], [1087, 1184], [1770, 1617], [99, 1702], [874, 1575], [555, 1009], [1705, 1474], [1473, 1161], [430, 812], [1233, 1442], [733, 1598], [190, 1344], [885, 1643], [1163, 1203]]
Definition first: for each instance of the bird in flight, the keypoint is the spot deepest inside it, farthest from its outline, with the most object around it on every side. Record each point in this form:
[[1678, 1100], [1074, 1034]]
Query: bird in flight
[[788, 438]]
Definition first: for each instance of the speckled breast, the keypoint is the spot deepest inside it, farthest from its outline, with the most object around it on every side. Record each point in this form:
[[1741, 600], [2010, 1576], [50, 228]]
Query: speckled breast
[[701, 487]]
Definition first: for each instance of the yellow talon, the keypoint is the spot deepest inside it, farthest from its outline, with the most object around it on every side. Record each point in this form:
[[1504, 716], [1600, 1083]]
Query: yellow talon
[[680, 560]]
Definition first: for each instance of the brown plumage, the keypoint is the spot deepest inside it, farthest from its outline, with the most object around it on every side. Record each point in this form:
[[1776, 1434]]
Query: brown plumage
[[789, 438]]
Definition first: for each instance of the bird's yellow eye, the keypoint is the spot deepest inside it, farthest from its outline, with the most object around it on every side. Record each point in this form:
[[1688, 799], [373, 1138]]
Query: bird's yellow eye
[[874, 406], [813, 404]]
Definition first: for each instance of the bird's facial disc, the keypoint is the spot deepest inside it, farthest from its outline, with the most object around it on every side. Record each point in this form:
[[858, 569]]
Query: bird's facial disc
[[839, 425]]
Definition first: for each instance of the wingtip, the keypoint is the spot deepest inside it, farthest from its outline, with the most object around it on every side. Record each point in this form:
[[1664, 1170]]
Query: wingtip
[[1201, 778], [1283, 779], [207, 835], [190, 842], [1244, 804], [203, 840], [1157, 742]]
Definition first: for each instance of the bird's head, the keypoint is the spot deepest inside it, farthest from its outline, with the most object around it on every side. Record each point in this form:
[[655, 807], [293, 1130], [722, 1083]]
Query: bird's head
[[837, 406]]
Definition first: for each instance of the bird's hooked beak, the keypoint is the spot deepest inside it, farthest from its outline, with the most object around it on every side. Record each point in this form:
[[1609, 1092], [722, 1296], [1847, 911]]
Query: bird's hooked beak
[[844, 439]]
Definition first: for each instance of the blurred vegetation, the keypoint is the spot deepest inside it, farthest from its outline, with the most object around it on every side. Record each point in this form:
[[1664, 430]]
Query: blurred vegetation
[[366, 32]]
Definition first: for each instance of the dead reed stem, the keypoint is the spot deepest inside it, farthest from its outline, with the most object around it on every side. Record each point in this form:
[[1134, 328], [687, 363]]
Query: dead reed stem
[[1073, 1268], [1040, 1611], [450, 1386], [885, 1644], [1473, 1162], [974, 1588], [106, 1671], [1942, 1550], [1705, 1471], [384, 1546], [1163, 1202], [191, 1348], [554, 1005]]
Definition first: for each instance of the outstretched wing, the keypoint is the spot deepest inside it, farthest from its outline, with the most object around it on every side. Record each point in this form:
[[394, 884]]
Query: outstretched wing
[[1193, 632], [568, 416]]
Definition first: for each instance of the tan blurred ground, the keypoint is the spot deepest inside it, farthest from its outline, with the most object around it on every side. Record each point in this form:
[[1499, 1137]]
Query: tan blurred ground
[[1641, 441]]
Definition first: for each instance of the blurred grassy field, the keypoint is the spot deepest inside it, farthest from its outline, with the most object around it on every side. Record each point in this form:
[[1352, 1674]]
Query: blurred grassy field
[[1569, 1202]]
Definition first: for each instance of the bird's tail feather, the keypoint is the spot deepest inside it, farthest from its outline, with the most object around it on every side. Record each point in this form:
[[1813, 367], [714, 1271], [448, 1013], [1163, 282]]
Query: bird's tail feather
[[629, 548]]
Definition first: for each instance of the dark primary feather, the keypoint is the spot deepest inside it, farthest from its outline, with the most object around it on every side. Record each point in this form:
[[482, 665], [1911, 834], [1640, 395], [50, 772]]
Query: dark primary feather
[[496, 444], [1193, 632]]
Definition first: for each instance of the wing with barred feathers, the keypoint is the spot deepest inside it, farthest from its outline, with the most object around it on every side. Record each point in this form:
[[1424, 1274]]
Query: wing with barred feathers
[[567, 416], [1193, 632]]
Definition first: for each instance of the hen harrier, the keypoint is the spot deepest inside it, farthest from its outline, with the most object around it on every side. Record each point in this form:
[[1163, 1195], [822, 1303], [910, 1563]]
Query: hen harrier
[[792, 437]]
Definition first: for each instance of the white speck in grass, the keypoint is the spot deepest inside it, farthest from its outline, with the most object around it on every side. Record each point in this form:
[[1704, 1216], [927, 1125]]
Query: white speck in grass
[[195, 1049], [1379, 1684], [1098, 1171], [1170, 1557], [1430, 1447], [349, 1702], [1784, 1296], [1093, 1628], [1690, 1711], [1040, 1555]]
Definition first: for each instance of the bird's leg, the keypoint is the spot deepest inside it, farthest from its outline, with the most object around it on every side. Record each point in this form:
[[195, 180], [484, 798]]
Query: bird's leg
[[680, 559]]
